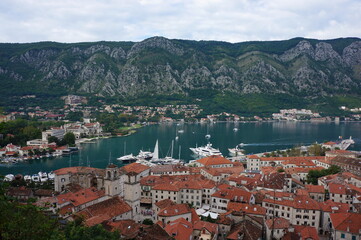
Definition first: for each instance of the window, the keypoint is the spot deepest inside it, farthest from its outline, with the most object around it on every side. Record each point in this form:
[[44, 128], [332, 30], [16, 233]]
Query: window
[[342, 235]]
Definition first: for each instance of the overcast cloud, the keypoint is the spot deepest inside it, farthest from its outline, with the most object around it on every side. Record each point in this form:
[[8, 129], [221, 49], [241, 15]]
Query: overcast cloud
[[135, 20]]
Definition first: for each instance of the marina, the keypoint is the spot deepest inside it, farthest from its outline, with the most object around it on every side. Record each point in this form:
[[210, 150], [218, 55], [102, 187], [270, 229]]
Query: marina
[[255, 137]]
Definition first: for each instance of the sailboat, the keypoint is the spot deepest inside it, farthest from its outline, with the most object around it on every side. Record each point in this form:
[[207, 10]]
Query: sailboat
[[167, 159], [127, 158]]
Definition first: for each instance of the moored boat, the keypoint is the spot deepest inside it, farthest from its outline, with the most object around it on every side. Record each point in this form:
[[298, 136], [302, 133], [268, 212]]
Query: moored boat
[[206, 151]]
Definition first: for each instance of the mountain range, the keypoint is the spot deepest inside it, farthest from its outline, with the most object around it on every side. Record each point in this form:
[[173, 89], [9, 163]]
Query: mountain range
[[299, 68]]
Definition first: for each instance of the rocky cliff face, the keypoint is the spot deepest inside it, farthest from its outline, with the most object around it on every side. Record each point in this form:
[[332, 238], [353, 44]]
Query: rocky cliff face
[[162, 66]]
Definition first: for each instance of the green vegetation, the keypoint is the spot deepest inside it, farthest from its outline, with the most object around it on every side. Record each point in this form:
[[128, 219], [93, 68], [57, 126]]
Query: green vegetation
[[19, 131], [316, 150], [313, 175], [115, 123], [26, 76], [26, 221], [69, 139]]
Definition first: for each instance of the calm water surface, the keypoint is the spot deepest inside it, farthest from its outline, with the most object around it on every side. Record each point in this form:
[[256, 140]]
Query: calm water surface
[[256, 137]]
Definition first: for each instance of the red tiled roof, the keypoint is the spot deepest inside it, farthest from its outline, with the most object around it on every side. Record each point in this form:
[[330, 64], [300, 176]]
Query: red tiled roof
[[278, 223], [127, 228], [302, 169], [211, 227], [135, 167], [214, 160], [299, 202], [335, 188], [315, 188], [233, 194], [247, 208], [346, 222], [175, 210], [164, 203], [72, 170], [226, 170], [307, 232], [80, 197], [166, 187], [334, 207], [180, 229], [104, 210]]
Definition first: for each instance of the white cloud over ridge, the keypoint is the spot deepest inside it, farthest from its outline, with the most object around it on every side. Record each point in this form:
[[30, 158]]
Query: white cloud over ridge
[[135, 20]]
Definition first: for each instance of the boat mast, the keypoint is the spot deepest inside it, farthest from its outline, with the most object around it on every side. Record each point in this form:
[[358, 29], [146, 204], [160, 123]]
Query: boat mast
[[172, 149], [179, 152], [156, 151]]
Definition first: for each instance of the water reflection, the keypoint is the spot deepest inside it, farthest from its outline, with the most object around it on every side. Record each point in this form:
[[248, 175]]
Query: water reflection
[[257, 137]]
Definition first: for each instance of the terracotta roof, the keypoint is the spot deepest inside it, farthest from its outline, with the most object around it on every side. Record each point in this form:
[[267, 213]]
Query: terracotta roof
[[302, 169], [166, 187], [226, 170], [278, 223], [164, 203], [80, 197], [169, 168], [247, 208], [194, 215], [334, 207], [315, 188], [233, 194], [307, 232], [299, 202], [153, 232], [127, 228], [346, 222], [211, 227], [174, 210], [249, 230], [335, 188], [180, 229], [104, 210], [80, 170], [214, 160], [135, 168]]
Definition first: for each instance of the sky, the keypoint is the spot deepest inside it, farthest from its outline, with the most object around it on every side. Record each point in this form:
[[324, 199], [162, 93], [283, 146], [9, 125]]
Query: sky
[[135, 20]]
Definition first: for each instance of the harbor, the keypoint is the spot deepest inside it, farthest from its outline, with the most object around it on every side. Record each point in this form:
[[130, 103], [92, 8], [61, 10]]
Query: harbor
[[251, 137]]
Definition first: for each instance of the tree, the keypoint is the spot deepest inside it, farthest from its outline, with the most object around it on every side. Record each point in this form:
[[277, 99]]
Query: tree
[[53, 139], [69, 138], [313, 175], [148, 221], [31, 132], [74, 116]]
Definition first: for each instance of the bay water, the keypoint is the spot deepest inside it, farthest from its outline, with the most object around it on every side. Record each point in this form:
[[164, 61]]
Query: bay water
[[255, 136]]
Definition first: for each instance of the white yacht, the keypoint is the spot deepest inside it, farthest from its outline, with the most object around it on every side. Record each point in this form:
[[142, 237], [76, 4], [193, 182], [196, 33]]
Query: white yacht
[[237, 151], [206, 151], [145, 155], [27, 178], [51, 176], [35, 178], [43, 176], [127, 158], [9, 177]]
